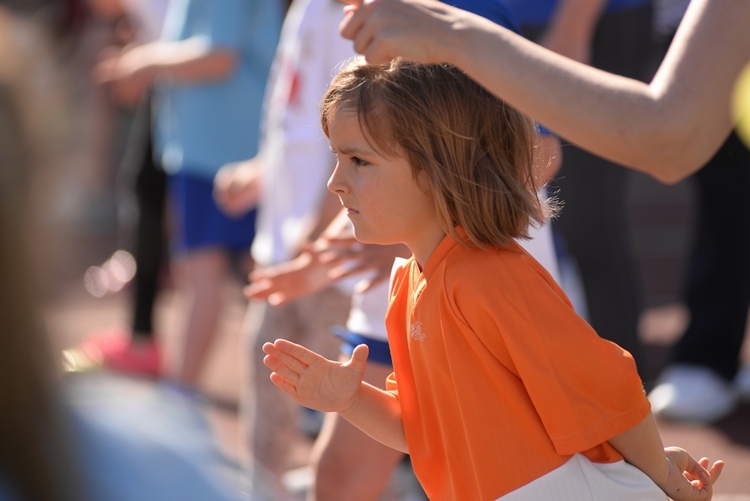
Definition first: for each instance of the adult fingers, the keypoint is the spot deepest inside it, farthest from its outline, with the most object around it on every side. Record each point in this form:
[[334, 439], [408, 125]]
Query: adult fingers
[[352, 22], [361, 25]]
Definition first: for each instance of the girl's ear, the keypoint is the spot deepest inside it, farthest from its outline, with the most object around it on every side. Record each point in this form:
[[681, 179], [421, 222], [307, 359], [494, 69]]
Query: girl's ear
[[424, 183]]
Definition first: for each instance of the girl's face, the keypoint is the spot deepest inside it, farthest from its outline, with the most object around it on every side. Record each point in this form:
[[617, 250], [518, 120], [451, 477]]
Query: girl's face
[[382, 199]]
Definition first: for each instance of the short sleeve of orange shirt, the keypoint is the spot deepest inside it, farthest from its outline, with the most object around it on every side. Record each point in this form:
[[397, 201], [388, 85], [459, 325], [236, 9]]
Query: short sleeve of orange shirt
[[496, 373]]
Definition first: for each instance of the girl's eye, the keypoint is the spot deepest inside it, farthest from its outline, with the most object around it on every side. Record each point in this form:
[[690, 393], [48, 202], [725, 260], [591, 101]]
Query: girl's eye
[[359, 162]]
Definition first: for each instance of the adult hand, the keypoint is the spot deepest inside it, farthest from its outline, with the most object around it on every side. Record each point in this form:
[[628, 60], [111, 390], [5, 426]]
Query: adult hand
[[688, 479], [420, 30], [314, 381], [237, 186]]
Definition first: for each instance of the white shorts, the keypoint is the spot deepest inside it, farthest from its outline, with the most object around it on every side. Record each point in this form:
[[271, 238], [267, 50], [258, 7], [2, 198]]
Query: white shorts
[[581, 480]]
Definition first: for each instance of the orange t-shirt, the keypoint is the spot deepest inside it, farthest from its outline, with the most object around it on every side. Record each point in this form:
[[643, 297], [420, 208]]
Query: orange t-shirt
[[499, 380]]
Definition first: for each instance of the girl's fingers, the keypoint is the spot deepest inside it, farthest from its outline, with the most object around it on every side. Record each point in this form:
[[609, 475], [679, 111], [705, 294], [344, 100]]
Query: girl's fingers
[[282, 370], [292, 363], [297, 351], [358, 361], [287, 388], [716, 470]]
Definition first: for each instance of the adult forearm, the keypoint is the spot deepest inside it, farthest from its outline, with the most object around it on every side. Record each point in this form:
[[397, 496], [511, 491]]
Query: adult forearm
[[621, 119], [378, 414], [668, 129]]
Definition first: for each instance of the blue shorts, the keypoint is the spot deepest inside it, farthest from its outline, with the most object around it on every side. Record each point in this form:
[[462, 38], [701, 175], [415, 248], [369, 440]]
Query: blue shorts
[[198, 221], [380, 352]]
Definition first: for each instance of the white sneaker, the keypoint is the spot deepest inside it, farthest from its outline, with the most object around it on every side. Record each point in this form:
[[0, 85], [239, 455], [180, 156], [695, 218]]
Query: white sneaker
[[693, 394], [742, 382]]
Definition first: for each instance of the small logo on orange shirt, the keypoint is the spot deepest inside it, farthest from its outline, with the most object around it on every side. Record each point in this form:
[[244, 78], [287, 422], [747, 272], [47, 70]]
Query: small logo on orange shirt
[[416, 331]]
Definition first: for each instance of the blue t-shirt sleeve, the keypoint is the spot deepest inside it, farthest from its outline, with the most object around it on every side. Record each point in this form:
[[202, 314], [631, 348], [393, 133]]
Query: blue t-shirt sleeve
[[227, 23], [494, 10]]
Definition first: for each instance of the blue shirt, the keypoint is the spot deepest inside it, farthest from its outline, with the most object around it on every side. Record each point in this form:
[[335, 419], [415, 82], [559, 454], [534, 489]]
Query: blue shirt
[[539, 12], [495, 10], [199, 127]]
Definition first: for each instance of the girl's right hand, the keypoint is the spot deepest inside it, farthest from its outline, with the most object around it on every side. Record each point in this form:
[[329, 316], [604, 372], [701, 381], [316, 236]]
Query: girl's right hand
[[312, 380], [689, 480]]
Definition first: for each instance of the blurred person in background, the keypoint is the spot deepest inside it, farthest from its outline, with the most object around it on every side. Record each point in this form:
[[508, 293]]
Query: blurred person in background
[[208, 71], [287, 180], [704, 381], [141, 204]]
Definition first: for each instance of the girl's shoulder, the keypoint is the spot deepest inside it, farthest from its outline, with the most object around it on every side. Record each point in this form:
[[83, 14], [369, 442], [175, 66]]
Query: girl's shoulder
[[499, 271], [506, 260]]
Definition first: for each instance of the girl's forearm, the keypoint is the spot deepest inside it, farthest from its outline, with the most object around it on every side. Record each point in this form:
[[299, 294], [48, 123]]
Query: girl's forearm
[[378, 414], [642, 447]]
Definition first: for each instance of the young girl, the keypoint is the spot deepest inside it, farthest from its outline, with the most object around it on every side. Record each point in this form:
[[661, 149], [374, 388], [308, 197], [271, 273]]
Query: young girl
[[500, 390]]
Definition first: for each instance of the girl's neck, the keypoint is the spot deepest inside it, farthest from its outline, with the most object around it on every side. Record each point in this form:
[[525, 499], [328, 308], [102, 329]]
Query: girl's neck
[[425, 244]]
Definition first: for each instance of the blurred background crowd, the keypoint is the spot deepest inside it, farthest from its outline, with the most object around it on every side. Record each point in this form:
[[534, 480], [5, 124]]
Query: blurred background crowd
[[147, 145]]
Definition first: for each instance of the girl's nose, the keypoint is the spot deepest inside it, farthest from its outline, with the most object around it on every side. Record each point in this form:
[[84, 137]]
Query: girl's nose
[[337, 182]]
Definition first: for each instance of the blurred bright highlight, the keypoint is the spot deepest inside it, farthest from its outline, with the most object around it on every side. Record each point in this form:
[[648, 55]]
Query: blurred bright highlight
[[112, 276], [741, 105]]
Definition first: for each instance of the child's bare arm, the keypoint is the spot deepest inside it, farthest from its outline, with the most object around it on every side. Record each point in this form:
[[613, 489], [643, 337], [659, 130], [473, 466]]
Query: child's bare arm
[[325, 385], [676, 472]]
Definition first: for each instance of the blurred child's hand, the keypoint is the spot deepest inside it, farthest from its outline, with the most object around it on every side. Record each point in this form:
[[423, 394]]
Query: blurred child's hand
[[314, 381], [355, 258], [689, 480], [284, 282], [128, 74], [237, 187]]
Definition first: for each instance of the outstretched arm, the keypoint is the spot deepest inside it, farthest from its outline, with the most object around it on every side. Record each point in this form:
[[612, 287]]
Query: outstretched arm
[[680, 476], [329, 386], [668, 128], [333, 256], [133, 72]]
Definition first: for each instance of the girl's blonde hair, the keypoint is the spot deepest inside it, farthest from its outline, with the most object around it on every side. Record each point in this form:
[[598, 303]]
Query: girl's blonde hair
[[477, 151]]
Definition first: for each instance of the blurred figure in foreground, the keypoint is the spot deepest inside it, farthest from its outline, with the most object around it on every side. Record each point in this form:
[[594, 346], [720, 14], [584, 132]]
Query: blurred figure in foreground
[[52, 448]]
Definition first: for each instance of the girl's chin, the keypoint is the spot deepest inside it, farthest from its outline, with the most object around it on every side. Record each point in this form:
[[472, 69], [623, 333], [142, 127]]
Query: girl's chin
[[368, 238]]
